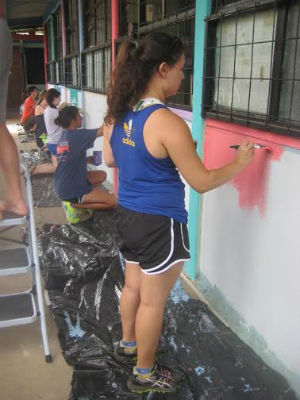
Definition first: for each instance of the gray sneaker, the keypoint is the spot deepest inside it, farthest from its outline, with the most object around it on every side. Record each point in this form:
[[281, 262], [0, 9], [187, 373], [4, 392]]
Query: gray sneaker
[[160, 380]]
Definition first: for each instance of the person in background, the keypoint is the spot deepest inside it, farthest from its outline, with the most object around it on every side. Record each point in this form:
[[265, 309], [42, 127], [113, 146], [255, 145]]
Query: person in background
[[23, 98], [28, 120], [9, 157], [41, 135], [152, 146], [41, 131], [73, 182], [54, 131]]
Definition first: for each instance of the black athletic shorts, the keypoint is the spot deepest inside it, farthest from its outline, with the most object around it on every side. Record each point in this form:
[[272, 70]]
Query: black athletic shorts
[[154, 242]]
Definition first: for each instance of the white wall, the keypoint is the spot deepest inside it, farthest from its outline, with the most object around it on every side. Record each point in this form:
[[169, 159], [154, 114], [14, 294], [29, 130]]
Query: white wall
[[94, 112], [253, 261]]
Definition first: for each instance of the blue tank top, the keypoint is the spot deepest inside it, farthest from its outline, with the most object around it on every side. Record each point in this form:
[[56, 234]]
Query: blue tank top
[[146, 184]]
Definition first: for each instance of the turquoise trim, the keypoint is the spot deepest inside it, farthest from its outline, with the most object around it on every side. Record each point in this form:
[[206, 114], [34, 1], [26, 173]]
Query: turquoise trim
[[74, 96], [246, 332], [203, 8], [51, 8]]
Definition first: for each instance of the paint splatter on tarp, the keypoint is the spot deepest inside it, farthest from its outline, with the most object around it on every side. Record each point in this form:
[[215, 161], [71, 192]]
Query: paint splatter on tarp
[[44, 194], [84, 277], [35, 157]]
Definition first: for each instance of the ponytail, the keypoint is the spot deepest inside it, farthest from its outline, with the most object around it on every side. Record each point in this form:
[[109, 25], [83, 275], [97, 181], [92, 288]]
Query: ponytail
[[65, 116], [134, 68]]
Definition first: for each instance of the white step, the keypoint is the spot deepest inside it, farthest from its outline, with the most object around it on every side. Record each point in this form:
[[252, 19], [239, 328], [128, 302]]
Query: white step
[[17, 309], [14, 261], [11, 219]]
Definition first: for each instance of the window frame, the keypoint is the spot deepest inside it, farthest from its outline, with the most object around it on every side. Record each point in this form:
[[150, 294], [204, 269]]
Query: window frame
[[72, 44], [50, 61], [58, 65], [271, 121], [167, 20], [97, 44]]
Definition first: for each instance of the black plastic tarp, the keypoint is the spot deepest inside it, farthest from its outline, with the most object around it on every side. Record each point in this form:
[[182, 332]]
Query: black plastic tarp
[[44, 194], [83, 271]]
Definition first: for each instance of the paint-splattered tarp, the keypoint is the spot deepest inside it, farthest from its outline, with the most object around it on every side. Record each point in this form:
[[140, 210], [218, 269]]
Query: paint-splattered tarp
[[84, 276]]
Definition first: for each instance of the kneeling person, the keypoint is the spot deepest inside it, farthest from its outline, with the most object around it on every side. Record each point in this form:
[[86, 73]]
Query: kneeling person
[[73, 182]]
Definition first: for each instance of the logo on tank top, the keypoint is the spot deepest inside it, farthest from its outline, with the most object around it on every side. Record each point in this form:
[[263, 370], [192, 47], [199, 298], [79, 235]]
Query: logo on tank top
[[128, 130], [62, 150]]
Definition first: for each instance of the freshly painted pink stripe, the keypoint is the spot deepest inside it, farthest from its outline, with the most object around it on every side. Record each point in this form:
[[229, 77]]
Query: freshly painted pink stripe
[[188, 115], [252, 183], [262, 136], [114, 35]]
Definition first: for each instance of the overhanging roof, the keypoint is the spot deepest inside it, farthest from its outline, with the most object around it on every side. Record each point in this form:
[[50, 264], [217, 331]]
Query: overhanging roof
[[26, 13]]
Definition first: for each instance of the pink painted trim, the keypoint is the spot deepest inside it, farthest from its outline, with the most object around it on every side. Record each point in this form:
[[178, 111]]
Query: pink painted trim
[[188, 115], [252, 183], [45, 56], [63, 29], [262, 136], [114, 36], [115, 26], [2, 9]]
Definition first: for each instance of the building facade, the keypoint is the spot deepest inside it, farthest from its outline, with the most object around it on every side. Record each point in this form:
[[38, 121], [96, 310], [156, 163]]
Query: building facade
[[242, 81]]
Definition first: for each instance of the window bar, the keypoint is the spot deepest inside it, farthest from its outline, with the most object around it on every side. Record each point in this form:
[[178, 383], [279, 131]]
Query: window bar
[[139, 19], [294, 71], [220, 46], [251, 68], [278, 61], [234, 64], [271, 69]]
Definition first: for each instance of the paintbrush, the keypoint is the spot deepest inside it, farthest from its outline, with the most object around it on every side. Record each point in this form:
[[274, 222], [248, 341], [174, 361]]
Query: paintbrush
[[256, 146]]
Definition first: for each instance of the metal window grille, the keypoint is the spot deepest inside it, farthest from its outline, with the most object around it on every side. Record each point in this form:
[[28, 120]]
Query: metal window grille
[[72, 75], [50, 73], [217, 5], [49, 42], [96, 58], [177, 17], [49, 65], [96, 68], [252, 65], [72, 26], [96, 22], [57, 33], [72, 71]]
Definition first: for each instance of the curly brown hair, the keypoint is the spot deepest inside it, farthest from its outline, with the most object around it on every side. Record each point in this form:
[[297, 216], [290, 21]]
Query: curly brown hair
[[134, 68]]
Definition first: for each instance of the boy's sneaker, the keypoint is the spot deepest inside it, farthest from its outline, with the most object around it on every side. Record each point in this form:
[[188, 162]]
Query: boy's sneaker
[[124, 357], [160, 380]]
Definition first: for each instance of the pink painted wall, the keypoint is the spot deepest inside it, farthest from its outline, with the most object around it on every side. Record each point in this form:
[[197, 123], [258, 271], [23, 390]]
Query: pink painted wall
[[251, 184], [249, 244]]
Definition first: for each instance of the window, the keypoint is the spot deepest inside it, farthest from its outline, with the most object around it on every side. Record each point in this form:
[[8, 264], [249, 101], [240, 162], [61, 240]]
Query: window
[[72, 71], [72, 36], [49, 65], [252, 65], [57, 32], [97, 22], [219, 4], [49, 41], [71, 61], [177, 17], [96, 58]]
